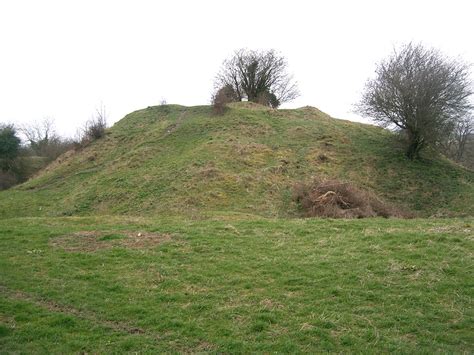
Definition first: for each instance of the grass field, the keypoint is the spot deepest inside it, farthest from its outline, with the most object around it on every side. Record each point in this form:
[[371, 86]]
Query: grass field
[[238, 271], [235, 284]]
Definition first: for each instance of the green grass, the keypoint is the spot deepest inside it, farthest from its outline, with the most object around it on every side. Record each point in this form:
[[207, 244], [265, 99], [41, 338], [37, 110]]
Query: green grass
[[236, 272], [236, 284], [175, 160]]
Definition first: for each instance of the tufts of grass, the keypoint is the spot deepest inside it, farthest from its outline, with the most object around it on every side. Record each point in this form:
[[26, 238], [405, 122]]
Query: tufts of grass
[[176, 160], [237, 284]]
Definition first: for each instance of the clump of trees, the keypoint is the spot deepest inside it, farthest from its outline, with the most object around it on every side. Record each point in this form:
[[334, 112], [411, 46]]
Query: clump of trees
[[422, 93], [9, 151], [41, 145], [9, 144], [258, 76]]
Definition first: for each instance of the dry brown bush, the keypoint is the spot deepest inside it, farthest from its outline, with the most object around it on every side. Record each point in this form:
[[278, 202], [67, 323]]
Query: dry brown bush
[[93, 129], [335, 199], [221, 98]]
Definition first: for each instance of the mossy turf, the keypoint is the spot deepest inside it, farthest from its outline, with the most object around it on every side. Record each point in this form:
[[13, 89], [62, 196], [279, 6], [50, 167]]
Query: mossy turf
[[176, 160], [236, 285]]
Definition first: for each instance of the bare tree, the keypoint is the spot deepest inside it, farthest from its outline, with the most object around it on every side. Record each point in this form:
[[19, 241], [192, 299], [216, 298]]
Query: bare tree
[[39, 134], [43, 140], [421, 92], [467, 158], [256, 75], [455, 143]]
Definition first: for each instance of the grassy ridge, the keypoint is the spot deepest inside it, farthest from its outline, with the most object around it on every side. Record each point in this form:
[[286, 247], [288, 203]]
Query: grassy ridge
[[236, 285], [182, 160]]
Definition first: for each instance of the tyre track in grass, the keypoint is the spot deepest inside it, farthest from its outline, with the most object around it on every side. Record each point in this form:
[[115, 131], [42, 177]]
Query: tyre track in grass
[[55, 307]]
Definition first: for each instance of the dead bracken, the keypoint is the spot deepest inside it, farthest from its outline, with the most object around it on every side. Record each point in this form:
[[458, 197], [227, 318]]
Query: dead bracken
[[335, 199], [89, 241]]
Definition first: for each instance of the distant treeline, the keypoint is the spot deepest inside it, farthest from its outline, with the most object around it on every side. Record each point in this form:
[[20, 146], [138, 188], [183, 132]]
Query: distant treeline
[[26, 149]]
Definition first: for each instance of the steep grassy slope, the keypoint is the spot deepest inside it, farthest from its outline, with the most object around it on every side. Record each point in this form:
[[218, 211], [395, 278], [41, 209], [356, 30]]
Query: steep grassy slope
[[182, 160]]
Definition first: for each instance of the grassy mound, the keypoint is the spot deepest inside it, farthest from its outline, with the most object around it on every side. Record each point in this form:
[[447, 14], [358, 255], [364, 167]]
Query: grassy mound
[[183, 160]]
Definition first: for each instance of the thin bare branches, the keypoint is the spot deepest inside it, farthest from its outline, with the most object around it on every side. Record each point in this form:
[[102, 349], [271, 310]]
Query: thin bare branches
[[259, 76], [421, 92]]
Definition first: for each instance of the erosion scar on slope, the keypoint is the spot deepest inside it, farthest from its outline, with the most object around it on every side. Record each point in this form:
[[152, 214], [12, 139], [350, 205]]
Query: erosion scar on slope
[[174, 126]]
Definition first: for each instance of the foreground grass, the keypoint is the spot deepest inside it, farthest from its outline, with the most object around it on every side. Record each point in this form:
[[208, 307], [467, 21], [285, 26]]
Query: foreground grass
[[235, 285]]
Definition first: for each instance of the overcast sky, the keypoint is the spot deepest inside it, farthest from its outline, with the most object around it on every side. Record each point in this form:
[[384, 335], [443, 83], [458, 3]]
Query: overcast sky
[[62, 59]]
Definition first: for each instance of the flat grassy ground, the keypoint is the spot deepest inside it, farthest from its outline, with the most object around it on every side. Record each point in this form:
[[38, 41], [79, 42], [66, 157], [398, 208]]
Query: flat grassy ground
[[235, 284]]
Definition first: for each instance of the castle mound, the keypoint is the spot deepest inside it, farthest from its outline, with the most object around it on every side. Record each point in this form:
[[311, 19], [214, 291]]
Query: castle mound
[[176, 160]]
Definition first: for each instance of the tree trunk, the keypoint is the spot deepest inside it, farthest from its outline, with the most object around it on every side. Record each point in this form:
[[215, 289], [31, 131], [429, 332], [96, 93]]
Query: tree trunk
[[415, 143]]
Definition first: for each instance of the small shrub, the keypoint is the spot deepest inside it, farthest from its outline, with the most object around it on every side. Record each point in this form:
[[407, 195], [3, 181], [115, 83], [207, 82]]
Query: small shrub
[[221, 98], [268, 99], [335, 199], [93, 130], [164, 107]]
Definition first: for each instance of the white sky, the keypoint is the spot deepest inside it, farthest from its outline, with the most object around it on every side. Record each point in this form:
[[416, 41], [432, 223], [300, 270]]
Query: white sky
[[62, 59]]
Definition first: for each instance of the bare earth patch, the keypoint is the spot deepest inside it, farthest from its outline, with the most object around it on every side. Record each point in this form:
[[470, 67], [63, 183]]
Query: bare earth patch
[[89, 241]]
